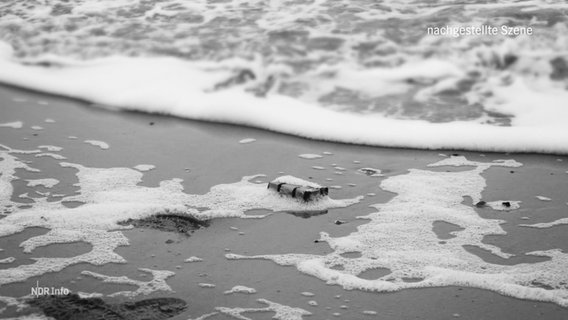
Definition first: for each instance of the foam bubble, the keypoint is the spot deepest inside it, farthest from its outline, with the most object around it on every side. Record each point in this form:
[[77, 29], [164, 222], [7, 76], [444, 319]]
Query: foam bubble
[[193, 259], [310, 156], [240, 289], [247, 140], [101, 144]]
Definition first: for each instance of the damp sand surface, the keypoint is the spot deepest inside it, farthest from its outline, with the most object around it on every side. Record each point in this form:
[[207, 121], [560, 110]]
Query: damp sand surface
[[208, 154]]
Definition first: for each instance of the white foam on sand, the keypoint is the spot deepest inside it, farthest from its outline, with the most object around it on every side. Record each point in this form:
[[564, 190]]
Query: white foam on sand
[[193, 259], [86, 295], [112, 195], [13, 125], [101, 144], [399, 237], [144, 167], [192, 91], [501, 205], [547, 224], [310, 156], [8, 165], [282, 312], [247, 140], [241, 289], [48, 183], [7, 260], [51, 148], [51, 155], [158, 282]]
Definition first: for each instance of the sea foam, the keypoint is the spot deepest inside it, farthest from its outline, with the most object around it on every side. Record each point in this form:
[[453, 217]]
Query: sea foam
[[109, 196], [399, 237], [189, 89]]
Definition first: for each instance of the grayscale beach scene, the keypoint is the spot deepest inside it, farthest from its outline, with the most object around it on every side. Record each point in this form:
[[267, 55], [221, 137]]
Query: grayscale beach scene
[[291, 159]]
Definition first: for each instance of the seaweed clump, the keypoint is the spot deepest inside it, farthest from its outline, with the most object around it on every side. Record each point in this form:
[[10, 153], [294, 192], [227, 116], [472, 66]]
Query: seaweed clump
[[73, 307], [177, 223]]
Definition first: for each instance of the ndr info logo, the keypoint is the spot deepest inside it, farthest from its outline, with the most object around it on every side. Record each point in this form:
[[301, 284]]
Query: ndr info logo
[[49, 291]]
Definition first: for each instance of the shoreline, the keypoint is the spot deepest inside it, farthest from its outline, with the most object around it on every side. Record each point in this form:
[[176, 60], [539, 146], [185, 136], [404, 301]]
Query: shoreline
[[213, 155]]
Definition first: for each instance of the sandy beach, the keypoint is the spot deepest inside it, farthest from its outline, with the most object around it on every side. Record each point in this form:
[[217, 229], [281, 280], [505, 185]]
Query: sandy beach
[[208, 154]]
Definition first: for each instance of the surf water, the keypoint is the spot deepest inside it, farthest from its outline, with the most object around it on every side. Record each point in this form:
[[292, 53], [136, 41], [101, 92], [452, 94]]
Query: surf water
[[358, 72]]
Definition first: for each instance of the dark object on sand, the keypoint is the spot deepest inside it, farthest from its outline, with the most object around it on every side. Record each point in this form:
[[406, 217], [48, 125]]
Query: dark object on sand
[[506, 204], [305, 193], [339, 222], [168, 222], [481, 204], [306, 214], [73, 307], [370, 171]]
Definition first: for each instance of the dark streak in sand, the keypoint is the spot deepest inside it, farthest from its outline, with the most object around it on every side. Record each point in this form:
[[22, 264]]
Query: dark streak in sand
[[72, 306], [169, 222]]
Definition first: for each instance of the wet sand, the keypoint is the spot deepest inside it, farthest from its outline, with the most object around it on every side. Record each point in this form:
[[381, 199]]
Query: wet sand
[[207, 154]]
